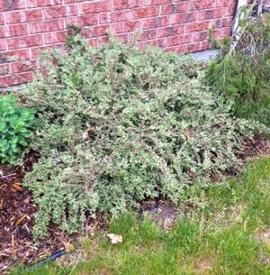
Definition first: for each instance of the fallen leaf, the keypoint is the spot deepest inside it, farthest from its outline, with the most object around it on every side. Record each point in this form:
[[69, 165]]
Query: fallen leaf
[[115, 239], [69, 247], [20, 220], [17, 186], [187, 135]]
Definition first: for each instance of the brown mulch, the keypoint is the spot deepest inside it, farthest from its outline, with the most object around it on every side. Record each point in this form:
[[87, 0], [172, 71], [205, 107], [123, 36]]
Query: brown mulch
[[17, 213], [257, 146]]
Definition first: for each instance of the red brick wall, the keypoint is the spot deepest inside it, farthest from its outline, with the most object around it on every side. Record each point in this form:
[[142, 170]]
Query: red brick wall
[[29, 26], [267, 3]]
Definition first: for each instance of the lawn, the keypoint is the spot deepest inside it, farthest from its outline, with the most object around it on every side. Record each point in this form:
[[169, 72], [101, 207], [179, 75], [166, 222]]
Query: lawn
[[227, 232]]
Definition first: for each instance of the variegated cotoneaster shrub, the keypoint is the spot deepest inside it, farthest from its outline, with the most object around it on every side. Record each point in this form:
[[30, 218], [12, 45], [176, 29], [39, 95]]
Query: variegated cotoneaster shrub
[[119, 125]]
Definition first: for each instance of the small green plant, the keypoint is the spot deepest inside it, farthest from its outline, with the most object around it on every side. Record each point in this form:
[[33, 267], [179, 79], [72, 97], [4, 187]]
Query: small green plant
[[242, 71], [15, 128]]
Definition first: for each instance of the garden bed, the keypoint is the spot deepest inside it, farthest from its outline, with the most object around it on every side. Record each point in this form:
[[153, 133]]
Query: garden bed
[[116, 129], [18, 210]]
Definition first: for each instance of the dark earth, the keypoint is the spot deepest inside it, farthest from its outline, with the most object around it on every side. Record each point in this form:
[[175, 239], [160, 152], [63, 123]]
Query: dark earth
[[17, 213], [17, 216]]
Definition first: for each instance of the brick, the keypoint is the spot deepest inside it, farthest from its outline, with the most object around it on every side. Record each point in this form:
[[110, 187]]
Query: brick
[[11, 80], [145, 12], [36, 52], [72, 10], [198, 26], [88, 20], [183, 49], [12, 5], [19, 54], [200, 36], [24, 42], [202, 4], [150, 23], [46, 26], [128, 26], [2, 7], [2, 19], [225, 3], [23, 78], [44, 3], [31, 3], [101, 30], [4, 32], [172, 41], [199, 46], [104, 18], [54, 12], [96, 7], [186, 38], [194, 47], [122, 37], [18, 30], [122, 15], [223, 22], [102, 40], [19, 67], [6, 81], [154, 22], [15, 17], [2, 44], [125, 4], [72, 1], [82, 21], [148, 35], [4, 69], [54, 37], [179, 49], [33, 15], [180, 18], [158, 2], [216, 13], [222, 33], [92, 42], [212, 14], [23, 16], [174, 8], [172, 30]]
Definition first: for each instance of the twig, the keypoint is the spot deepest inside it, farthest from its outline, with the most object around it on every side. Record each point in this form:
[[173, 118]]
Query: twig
[[260, 7], [9, 175]]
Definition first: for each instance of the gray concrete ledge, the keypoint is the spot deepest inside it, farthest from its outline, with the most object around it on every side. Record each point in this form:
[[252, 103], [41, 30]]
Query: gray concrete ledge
[[205, 55]]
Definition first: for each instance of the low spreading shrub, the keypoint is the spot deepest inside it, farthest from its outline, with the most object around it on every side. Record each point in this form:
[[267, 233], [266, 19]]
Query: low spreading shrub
[[242, 71], [119, 125], [15, 128]]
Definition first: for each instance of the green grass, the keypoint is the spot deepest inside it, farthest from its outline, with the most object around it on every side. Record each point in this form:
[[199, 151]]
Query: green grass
[[221, 236]]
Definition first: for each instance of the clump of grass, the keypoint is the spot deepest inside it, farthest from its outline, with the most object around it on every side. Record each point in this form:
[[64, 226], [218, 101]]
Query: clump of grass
[[241, 72]]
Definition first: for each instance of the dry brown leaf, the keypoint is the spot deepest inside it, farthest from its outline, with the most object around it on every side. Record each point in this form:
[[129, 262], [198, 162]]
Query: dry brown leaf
[[69, 247], [17, 186], [187, 135], [115, 239], [20, 220]]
